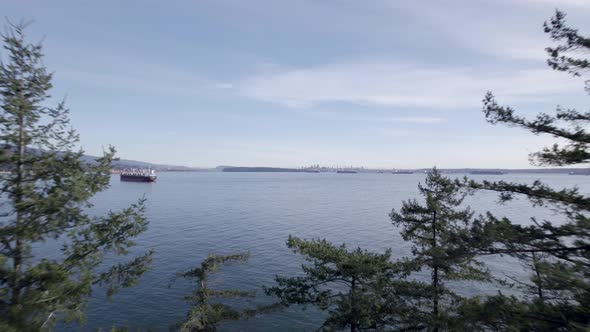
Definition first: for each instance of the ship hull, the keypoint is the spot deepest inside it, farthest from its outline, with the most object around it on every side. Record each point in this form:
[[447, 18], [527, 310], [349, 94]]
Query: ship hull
[[486, 173], [138, 178]]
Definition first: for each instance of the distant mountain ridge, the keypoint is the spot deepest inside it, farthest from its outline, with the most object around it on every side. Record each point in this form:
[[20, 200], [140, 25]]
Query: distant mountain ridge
[[471, 171], [127, 163], [116, 164], [263, 169]]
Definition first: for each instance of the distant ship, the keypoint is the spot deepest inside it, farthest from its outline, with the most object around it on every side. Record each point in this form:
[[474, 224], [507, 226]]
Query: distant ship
[[139, 175], [344, 171], [402, 172], [582, 172], [486, 172]]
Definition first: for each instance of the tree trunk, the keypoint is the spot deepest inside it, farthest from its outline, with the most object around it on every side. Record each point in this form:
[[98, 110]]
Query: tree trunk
[[435, 326], [205, 304], [17, 258], [353, 326], [538, 283]]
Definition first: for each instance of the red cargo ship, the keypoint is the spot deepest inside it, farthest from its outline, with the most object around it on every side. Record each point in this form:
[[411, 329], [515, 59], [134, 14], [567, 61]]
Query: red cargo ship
[[139, 175]]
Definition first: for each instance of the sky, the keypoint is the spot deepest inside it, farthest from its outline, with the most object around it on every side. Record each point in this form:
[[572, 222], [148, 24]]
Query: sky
[[376, 83]]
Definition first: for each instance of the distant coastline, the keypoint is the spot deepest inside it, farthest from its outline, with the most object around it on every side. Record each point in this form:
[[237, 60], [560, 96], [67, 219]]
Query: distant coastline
[[121, 164], [266, 170]]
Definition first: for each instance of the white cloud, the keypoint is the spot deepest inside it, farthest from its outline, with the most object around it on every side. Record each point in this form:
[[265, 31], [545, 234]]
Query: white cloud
[[396, 133], [417, 119], [127, 74], [405, 85], [155, 83], [223, 85], [585, 4], [504, 29]]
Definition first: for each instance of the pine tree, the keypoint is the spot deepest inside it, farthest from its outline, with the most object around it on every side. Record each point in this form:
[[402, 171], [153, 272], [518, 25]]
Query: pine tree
[[206, 314], [440, 232], [45, 190], [360, 290], [558, 252]]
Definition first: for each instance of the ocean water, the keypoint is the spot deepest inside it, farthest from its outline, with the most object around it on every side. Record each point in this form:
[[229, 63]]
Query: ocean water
[[194, 214]]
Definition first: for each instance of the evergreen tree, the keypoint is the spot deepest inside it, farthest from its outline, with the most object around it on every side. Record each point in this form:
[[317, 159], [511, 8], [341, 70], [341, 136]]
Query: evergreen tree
[[440, 232], [206, 314], [359, 289], [558, 251], [45, 192]]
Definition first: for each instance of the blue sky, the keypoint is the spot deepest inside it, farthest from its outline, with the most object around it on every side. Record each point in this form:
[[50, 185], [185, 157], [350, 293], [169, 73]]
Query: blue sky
[[290, 83]]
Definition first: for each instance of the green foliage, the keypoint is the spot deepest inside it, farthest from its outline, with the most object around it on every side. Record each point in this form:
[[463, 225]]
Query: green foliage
[[577, 137], [45, 191], [560, 57], [441, 235], [556, 251], [205, 314], [359, 289], [123, 329]]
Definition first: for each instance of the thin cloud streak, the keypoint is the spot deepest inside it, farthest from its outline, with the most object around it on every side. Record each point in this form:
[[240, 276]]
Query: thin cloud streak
[[155, 79], [417, 120], [404, 85]]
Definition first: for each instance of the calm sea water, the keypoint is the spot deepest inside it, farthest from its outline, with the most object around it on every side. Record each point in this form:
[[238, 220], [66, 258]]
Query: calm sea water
[[194, 214]]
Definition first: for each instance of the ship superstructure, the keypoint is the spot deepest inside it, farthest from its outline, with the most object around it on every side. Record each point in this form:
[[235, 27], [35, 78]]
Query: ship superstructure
[[139, 175]]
